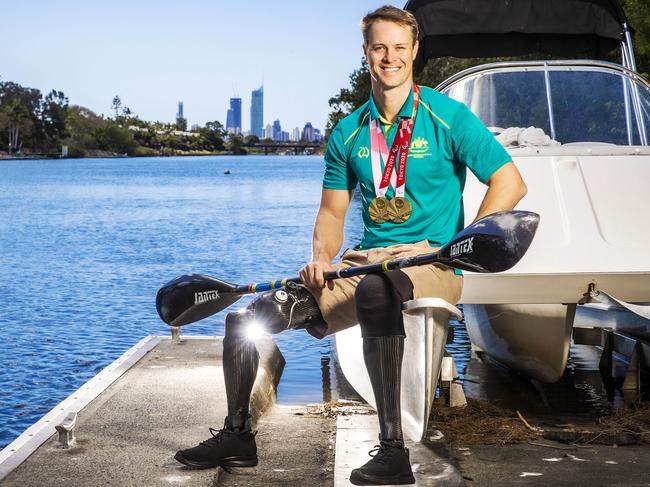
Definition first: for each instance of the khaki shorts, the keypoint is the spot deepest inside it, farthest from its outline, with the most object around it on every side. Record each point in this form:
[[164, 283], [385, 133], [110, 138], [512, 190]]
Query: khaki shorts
[[337, 305]]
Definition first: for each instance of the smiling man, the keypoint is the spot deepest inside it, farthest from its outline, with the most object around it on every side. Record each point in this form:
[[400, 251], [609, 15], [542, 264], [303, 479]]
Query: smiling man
[[407, 149]]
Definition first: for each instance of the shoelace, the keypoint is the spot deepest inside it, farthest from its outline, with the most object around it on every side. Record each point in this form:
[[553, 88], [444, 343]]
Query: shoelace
[[217, 436], [382, 452]]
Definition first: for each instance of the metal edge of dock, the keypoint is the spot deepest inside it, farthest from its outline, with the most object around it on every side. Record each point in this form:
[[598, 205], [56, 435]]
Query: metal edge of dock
[[33, 437]]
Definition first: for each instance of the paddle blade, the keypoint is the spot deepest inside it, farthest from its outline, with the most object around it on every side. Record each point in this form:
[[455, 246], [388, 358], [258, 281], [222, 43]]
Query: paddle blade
[[494, 243], [192, 297]]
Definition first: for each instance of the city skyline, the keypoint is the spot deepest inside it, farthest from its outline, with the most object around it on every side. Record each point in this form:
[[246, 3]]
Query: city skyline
[[273, 132], [308, 133], [166, 51]]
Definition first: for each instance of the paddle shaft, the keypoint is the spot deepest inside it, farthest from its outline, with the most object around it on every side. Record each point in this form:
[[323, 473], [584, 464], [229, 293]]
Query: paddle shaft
[[342, 273]]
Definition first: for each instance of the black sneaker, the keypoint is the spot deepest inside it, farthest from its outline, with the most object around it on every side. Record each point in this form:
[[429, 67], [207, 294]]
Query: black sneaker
[[389, 465], [227, 447]]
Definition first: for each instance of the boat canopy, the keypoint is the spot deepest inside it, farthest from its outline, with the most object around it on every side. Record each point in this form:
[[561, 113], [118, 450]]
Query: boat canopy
[[586, 29]]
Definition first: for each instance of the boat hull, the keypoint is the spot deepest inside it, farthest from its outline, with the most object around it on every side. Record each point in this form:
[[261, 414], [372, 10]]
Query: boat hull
[[426, 322], [587, 240], [533, 339]]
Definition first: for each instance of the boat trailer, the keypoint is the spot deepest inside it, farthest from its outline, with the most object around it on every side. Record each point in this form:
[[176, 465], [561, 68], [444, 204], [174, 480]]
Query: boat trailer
[[627, 348]]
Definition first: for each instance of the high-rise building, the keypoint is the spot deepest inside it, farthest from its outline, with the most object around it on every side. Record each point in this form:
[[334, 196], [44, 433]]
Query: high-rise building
[[257, 112], [181, 122], [268, 132], [308, 132], [233, 118], [295, 134], [318, 137], [277, 130]]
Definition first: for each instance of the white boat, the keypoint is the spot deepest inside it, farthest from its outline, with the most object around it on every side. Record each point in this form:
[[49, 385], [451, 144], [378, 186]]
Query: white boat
[[588, 179]]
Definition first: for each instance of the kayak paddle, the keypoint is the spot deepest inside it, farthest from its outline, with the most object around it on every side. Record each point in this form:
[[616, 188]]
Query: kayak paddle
[[494, 243]]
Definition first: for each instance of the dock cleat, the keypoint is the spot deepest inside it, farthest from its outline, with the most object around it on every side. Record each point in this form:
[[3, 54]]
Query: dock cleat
[[389, 465], [228, 447]]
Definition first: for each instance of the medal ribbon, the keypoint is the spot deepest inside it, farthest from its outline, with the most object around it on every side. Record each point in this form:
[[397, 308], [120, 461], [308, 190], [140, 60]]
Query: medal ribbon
[[401, 146], [377, 146]]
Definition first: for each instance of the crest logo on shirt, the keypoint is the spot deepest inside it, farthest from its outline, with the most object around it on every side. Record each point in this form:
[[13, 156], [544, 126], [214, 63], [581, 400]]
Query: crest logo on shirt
[[420, 144], [420, 147], [363, 152]]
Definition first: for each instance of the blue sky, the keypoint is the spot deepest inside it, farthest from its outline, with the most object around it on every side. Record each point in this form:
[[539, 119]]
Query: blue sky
[[155, 53]]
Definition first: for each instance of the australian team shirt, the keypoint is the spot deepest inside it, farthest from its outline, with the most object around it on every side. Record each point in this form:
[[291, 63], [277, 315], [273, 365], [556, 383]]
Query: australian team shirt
[[447, 139]]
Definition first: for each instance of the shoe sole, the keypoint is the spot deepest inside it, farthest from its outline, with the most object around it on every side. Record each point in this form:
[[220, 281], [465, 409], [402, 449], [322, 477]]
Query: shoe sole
[[361, 479], [233, 462]]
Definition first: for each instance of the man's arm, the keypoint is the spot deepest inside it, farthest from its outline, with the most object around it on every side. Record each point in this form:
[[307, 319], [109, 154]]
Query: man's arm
[[505, 189], [328, 235]]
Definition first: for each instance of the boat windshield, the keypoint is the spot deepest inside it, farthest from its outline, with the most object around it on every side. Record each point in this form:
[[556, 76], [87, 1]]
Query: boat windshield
[[571, 104]]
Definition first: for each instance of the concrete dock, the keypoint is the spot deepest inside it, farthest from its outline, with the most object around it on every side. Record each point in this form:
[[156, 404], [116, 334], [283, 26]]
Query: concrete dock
[[555, 464], [165, 396], [128, 434]]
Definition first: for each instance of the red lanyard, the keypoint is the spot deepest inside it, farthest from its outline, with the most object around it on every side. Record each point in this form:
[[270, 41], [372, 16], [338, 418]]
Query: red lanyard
[[401, 146]]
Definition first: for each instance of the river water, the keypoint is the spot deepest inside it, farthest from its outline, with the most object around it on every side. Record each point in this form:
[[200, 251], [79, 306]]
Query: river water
[[85, 245]]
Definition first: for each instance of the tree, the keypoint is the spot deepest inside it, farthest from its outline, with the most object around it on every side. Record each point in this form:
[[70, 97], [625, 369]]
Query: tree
[[235, 144], [18, 122], [111, 137], [53, 118], [116, 106], [251, 140], [349, 99], [638, 12], [181, 124], [211, 136], [20, 108], [122, 114], [81, 125]]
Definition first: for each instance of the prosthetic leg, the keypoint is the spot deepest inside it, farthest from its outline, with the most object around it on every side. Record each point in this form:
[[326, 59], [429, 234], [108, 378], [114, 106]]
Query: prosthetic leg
[[383, 358], [379, 300], [234, 445], [240, 363]]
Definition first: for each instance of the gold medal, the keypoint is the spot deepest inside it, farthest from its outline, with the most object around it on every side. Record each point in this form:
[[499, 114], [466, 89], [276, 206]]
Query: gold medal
[[378, 210], [399, 209]]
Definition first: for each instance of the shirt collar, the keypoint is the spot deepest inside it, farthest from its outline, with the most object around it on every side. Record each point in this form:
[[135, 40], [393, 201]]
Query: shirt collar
[[405, 111]]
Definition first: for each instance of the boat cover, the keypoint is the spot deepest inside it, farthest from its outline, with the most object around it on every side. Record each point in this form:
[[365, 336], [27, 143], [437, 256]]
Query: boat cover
[[587, 29], [642, 310]]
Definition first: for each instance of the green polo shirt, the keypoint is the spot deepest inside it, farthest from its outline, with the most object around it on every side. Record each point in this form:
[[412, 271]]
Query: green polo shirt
[[447, 139]]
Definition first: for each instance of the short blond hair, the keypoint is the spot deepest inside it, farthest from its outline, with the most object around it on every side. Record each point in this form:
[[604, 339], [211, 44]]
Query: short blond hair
[[390, 14]]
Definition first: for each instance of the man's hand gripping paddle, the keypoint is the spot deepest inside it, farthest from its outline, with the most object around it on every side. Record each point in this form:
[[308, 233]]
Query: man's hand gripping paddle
[[494, 243]]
